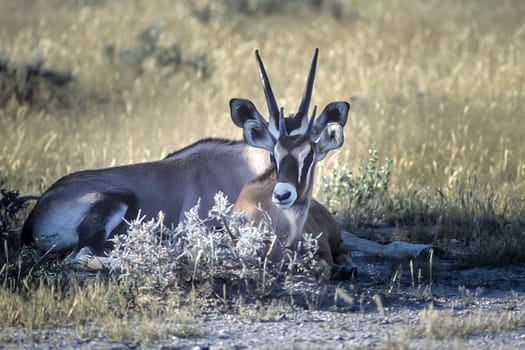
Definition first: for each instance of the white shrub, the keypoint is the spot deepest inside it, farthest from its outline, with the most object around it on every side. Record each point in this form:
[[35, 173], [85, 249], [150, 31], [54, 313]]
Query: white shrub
[[156, 256]]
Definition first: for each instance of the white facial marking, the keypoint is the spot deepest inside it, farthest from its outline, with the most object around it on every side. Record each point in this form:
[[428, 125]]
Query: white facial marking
[[284, 195], [276, 156], [300, 159]]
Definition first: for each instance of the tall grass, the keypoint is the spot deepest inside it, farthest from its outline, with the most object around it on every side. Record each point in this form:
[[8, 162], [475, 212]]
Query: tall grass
[[436, 87]]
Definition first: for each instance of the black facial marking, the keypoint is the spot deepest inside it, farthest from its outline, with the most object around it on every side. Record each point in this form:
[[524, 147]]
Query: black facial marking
[[307, 163], [288, 170]]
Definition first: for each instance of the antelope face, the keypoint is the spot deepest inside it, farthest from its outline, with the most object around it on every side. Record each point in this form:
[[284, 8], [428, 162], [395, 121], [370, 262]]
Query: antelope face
[[294, 155], [295, 160]]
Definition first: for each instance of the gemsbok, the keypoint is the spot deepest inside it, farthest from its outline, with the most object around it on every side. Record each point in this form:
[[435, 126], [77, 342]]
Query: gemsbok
[[284, 190], [82, 210]]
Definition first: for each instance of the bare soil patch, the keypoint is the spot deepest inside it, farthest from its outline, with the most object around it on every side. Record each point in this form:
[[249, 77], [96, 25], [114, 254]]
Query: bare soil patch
[[383, 308]]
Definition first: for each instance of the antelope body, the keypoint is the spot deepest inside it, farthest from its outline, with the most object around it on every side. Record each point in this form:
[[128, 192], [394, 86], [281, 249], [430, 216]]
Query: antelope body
[[84, 209]]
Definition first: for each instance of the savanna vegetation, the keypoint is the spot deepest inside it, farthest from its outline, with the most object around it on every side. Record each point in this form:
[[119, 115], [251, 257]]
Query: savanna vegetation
[[435, 144]]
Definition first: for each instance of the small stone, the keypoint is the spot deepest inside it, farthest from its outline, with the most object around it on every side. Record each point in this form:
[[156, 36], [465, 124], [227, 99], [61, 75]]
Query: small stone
[[223, 334]]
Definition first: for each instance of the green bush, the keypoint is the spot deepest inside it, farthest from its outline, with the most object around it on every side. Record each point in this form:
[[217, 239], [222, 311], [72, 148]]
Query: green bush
[[10, 207], [362, 198], [469, 220]]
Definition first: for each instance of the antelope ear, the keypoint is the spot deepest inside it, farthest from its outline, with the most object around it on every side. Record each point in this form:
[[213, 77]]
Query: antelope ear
[[255, 128], [257, 135], [242, 110], [331, 138], [334, 112]]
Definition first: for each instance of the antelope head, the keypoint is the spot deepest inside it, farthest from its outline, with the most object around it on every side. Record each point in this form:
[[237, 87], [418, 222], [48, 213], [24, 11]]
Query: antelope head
[[295, 143]]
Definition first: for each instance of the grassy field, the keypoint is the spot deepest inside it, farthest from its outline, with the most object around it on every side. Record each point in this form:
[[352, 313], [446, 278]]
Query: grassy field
[[436, 87]]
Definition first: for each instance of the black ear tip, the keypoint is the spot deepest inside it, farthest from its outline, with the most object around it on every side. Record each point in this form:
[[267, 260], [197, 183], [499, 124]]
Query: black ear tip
[[236, 101], [240, 103], [240, 111], [237, 107], [345, 110], [342, 106]]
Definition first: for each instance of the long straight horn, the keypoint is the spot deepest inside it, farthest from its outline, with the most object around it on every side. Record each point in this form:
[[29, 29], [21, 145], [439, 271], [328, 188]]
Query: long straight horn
[[308, 132], [282, 124], [273, 109], [302, 112]]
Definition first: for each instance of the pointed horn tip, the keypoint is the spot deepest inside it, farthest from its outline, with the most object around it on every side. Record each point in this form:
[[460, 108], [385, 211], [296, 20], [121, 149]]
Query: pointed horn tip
[[316, 54], [307, 94], [271, 102], [314, 112], [259, 60], [314, 61]]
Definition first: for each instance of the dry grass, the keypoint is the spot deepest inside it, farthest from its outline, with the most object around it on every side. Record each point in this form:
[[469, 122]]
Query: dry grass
[[96, 306], [434, 329], [453, 324], [438, 89]]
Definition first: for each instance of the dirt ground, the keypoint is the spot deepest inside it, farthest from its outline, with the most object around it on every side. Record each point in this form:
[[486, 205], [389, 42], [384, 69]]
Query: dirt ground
[[460, 309]]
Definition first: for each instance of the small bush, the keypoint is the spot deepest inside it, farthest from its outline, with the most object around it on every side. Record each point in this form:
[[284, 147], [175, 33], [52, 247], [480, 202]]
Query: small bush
[[251, 8], [149, 54], [18, 266], [362, 198], [31, 81], [157, 257], [11, 205]]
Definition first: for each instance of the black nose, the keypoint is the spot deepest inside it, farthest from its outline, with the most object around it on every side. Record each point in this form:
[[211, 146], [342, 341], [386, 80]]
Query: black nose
[[282, 196]]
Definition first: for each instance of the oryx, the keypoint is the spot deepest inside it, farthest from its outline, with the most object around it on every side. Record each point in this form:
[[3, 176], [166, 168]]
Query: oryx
[[84, 209]]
